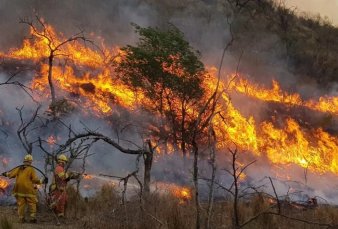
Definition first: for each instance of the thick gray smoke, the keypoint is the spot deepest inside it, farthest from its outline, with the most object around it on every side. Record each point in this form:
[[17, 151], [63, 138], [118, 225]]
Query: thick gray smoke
[[204, 23]]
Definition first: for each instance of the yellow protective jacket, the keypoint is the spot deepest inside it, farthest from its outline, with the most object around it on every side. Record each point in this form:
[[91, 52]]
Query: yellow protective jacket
[[25, 180]]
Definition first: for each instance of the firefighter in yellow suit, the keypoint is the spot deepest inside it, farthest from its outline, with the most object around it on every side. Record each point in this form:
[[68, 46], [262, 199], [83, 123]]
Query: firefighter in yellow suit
[[24, 190]]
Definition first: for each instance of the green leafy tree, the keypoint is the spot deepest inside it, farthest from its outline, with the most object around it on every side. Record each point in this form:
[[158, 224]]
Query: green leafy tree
[[169, 72]]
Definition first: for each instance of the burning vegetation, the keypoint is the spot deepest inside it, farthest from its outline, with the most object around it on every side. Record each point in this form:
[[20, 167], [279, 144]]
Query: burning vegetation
[[3, 183], [176, 106], [91, 81]]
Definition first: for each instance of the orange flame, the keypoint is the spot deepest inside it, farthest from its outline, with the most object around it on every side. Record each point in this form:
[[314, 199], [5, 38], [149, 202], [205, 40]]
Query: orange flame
[[324, 104], [51, 140], [87, 176], [3, 183], [314, 149], [90, 81], [182, 193]]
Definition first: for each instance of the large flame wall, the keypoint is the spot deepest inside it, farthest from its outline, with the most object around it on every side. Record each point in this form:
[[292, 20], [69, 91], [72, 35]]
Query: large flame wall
[[83, 70]]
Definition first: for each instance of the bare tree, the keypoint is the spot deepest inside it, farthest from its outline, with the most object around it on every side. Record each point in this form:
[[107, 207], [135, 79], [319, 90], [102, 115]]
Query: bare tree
[[25, 128], [235, 172], [11, 80], [54, 46], [212, 161], [86, 139]]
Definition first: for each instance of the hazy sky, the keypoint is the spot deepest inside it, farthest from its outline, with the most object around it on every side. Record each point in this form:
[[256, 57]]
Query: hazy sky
[[327, 8]]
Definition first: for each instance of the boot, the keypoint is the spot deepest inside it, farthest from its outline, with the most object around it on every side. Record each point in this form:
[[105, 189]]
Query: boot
[[33, 220], [22, 220]]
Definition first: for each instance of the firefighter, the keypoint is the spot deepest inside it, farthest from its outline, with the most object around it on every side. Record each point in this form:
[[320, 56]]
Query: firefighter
[[25, 190], [58, 192]]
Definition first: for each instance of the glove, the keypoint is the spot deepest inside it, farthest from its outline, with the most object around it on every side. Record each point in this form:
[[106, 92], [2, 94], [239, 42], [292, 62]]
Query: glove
[[45, 180], [77, 176], [4, 174], [74, 175]]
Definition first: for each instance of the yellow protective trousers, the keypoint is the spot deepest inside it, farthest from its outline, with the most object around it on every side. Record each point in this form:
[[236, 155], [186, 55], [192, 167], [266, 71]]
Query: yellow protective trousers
[[22, 202]]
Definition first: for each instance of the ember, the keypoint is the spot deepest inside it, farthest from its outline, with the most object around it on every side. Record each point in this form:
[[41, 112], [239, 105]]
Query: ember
[[51, 140], [87, 176]]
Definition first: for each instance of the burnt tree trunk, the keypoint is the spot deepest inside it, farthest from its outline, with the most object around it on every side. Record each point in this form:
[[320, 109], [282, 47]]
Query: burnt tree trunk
[[195, 179], [183, 146], [50, 78], [148, 161], [235, 205], [212, 162]]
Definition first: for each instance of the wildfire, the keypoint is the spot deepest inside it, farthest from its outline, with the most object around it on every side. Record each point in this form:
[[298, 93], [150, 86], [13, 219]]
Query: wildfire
[[3, 183], [87, 176], [276, 94], [89, 80], [99, 89], [182, 193], [314, 149], [51, 140]]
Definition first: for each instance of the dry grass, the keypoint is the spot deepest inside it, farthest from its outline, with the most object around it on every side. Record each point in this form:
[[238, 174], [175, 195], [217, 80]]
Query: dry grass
[[105, 210], [5, 223], [166, 212]]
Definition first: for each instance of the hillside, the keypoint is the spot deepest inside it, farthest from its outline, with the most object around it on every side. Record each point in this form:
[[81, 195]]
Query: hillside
[[267, 32]]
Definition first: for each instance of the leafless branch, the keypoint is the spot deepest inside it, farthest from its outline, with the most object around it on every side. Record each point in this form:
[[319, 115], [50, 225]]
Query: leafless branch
[[23, 129], [54, 48], [274, 190], [212, 161], [10, 81], [125, 183]]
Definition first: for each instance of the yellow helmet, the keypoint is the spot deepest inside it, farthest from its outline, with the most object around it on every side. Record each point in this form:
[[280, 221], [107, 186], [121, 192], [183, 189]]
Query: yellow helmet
[[62, 157], [28, 158]]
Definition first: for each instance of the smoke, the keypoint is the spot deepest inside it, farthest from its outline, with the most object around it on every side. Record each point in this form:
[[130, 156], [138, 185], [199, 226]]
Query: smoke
[[204, 23], [257, 54], [111, 21]]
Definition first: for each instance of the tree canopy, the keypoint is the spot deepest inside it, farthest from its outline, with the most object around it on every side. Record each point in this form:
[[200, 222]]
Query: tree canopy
[[169, 72], [163, 60]]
